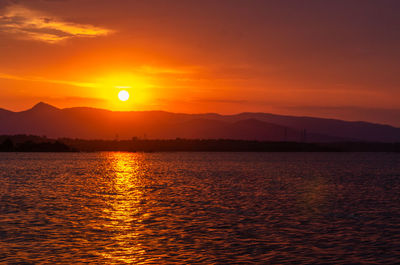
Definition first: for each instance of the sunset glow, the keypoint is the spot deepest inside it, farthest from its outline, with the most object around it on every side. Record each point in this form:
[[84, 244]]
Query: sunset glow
[[73, 54], [199, 131]]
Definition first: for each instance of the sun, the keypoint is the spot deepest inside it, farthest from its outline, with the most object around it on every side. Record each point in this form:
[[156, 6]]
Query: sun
[[123, 95]]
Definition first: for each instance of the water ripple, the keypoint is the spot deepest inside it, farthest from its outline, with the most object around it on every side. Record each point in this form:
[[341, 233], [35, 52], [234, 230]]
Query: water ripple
[[199, 208]]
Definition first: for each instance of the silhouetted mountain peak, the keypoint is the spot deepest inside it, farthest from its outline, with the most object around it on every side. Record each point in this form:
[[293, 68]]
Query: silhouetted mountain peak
[[4, 111], [41, 106], [90, 123]]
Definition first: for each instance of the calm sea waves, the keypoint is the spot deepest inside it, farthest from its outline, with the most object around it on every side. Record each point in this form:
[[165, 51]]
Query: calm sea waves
[[200, 208]]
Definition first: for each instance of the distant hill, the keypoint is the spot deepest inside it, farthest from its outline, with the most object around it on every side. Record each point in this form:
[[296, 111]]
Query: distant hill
[[90, 123]]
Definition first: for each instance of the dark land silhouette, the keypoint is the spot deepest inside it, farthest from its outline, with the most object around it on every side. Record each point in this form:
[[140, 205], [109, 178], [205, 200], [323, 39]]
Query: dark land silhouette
[[32, 144], [29, 143], [90, 123]]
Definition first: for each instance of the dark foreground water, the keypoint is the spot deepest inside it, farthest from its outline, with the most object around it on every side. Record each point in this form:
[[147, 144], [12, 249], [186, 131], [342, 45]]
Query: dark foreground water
[[200, 208]]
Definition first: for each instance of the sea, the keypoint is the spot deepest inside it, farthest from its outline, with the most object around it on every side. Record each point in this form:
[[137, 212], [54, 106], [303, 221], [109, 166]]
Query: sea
[[199, 208]]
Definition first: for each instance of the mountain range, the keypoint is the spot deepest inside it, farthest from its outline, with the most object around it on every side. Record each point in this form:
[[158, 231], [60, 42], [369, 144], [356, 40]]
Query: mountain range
[[90, 123]]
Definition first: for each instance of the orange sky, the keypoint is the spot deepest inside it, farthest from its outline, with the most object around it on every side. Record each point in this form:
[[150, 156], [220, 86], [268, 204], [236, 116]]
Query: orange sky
[[337, 59]]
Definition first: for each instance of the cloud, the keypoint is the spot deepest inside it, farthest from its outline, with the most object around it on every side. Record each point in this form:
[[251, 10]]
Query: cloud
[[33, 25], [219, 100], [4, 3], [146, 69], [74, 100], [45, 80]]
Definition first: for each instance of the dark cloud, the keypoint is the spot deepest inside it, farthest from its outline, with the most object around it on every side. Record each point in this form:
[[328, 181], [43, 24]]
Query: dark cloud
[[4, 3]]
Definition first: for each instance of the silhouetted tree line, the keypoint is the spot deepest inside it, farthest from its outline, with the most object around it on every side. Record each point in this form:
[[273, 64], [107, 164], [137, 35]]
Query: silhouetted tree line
[[30, 146], [193, 145], [224, 145], [23, 143]]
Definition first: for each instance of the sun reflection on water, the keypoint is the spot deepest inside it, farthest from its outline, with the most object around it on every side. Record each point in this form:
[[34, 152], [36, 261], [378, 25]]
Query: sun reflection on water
[[192, 208], [122, 213]]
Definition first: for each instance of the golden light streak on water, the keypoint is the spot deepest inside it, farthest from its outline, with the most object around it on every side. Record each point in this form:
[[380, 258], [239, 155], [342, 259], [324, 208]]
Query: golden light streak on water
[[123, 208]]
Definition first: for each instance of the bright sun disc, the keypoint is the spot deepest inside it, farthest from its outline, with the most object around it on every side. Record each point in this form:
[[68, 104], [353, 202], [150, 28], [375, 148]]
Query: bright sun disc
[[123, 95]]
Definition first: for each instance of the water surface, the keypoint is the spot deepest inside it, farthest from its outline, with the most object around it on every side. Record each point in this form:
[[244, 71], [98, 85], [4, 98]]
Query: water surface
[[200, 208]]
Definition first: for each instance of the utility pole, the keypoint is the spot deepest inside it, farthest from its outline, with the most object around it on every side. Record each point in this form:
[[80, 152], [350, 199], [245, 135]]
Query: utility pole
[[285, 135], [305, 135]]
